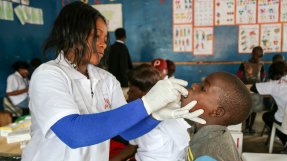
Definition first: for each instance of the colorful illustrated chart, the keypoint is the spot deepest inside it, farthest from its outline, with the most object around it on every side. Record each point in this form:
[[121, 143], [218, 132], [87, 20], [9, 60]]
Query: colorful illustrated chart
[[284, 47], [246, 11], [203, 40], [182, 38], [268, 11], [248, 38], [6, 10], [182, 11], [203, 12], [113, 13], [270, 37], [283, 11], [224, 12]]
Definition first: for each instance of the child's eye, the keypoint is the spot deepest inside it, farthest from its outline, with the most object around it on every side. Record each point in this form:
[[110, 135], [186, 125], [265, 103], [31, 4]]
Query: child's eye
[[203, 88]]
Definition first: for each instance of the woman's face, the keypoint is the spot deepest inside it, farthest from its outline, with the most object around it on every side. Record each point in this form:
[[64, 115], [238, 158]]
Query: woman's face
[[101, 43]]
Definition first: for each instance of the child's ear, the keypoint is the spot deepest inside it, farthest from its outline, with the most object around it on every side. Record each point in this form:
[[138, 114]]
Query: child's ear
[[219, 112]]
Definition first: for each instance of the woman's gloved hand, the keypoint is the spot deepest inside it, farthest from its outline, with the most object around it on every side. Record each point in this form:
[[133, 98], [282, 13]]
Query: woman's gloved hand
[[163, 93], [173, 111]]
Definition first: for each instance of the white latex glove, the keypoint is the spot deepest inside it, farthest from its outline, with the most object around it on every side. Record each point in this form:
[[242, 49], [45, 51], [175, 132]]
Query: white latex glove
[[163, 93], [173, 111]]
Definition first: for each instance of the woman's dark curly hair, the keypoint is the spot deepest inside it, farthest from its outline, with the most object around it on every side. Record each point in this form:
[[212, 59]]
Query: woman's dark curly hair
[[71, 29]]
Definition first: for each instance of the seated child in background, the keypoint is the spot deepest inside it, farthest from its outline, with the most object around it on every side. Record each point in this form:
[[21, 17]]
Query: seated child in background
[[226, 101], [161, 66], [277, 88], [168, 140]]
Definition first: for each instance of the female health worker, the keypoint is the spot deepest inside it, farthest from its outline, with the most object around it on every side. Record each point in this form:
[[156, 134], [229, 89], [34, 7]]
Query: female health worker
[[73, 103]]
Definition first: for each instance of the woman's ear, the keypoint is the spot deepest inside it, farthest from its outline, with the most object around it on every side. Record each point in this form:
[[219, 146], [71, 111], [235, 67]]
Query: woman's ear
[[219, 112]]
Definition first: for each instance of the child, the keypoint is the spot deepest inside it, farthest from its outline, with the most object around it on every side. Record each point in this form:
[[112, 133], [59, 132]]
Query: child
[[252, 71], [277, 88], [161, 66], [167, 141], [18, 85], [170, 68], [226, 101]]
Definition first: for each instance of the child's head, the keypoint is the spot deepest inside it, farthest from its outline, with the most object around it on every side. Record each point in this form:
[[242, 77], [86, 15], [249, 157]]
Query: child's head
[[223, 97], [161, 66], [170, 68], [278, 57], [22, 67], [257, 54], [277, 70], [141, 80]]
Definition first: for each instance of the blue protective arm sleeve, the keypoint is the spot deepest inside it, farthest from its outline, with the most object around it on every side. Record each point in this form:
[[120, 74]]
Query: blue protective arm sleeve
[[139, 129], [83, 130]]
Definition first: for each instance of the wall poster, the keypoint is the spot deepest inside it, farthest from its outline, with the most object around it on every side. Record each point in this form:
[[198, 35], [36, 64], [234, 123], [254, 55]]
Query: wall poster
[[182, 38], [246, 11], [224, 12], [202, 41], [284, 44], [248, 38], [6, 10], [203, 12], [270, 37], [182, 11], [268, 11], [283, 11], [113, 13]]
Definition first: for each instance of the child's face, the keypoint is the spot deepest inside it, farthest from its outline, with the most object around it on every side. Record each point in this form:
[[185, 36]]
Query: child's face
[[134, 93], [23, 72], [207, 95]]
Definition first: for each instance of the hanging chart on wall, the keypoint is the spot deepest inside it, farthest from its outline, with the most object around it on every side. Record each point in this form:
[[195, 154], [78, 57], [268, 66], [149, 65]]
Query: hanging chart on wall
[[6, 10], [284, 44], [246, 11], [283, 11], [182, 11], [182, 38], [268, 11], [270, 37], [113, 14], [224, 12], [203, 12], [248, 38], [203, 41]]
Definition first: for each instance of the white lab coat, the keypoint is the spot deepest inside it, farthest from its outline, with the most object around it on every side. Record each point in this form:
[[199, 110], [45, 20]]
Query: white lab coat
[[57, 90], [166, 142]]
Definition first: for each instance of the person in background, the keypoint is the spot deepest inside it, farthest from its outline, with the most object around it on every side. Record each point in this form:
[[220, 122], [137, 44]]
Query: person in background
[[170, 68], [168, 140], [252, 71], [226, 101], [18, 85], [119, 60], [277, 88], [275, 58], [77, 107], [161, 66], [278, 57], [35, 63], [269, 101]]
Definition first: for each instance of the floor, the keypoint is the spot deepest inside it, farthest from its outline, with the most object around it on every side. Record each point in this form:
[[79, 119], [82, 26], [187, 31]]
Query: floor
[[256, 143]]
